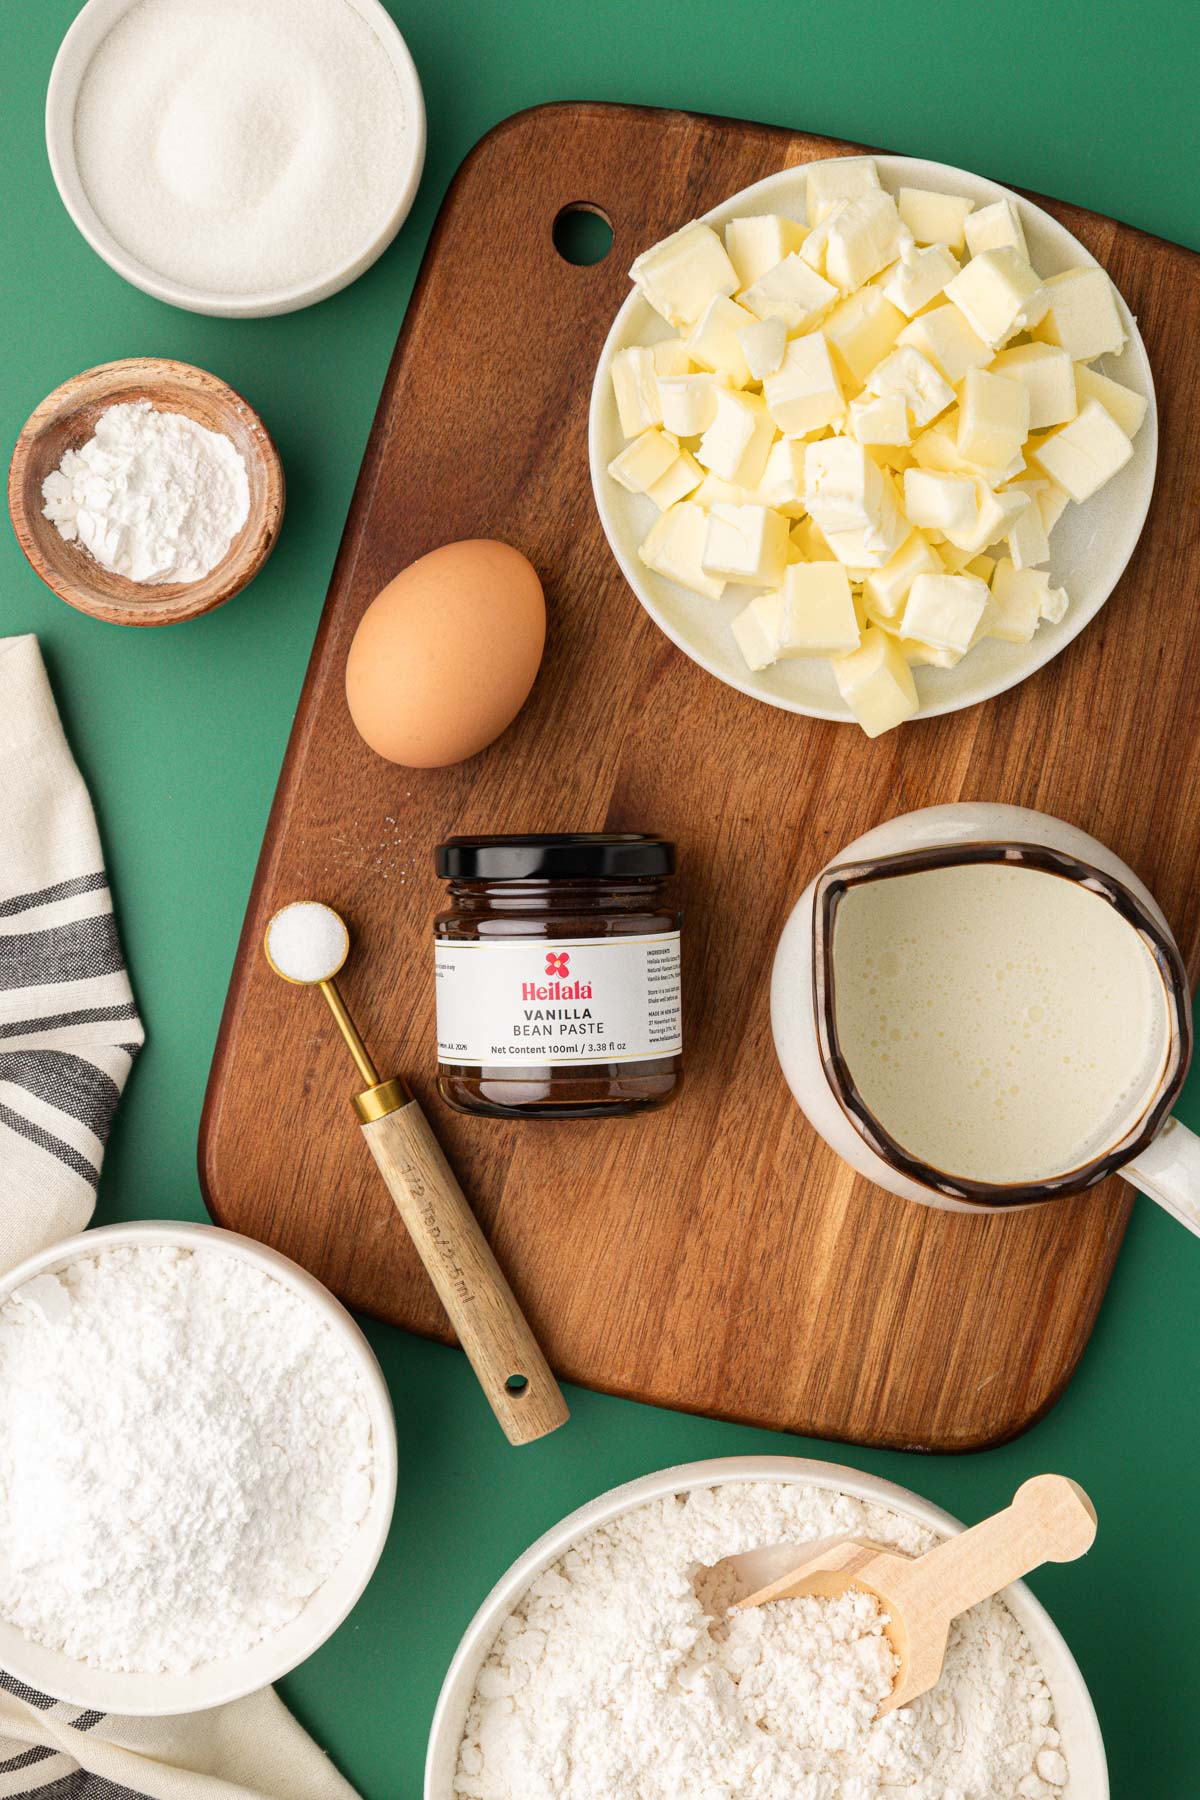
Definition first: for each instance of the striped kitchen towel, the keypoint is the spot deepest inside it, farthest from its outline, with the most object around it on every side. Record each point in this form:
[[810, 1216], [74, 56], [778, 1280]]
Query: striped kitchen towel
[[69, 1031], [69, 1028]]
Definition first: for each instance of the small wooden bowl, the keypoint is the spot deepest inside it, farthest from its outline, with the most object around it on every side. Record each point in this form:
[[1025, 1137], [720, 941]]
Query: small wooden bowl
[[66, 419]]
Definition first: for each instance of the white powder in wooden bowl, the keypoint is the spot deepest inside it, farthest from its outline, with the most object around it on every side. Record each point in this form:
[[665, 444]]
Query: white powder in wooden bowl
[[241, 147]]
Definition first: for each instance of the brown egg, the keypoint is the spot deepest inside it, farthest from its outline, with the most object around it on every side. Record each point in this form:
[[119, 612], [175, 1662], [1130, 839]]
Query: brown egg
[[444, 658]]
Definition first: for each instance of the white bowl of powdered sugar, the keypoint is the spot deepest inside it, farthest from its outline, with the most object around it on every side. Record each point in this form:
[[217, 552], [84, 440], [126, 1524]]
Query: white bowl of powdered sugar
[[197, 1468], [593, 1672], [236, 157]]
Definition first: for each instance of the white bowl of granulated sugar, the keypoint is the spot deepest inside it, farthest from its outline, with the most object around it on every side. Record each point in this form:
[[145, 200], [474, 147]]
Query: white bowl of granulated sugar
[[592, 1670], [236, 157], [197, 1468]]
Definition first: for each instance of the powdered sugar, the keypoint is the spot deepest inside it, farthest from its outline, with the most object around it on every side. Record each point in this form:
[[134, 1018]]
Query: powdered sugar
[[153, 495], [185, 1453], [610, 1682]]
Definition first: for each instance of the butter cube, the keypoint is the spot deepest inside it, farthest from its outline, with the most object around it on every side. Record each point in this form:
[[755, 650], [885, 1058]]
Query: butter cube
[[1119, 402], [942, 611], [998, 295], [942, 502], [755, 244], [867, 547], [713, 343], [644, 461], [863, 237], [983, 566], [876, 683], [919, 277], [934, 218], [907, 373], [860, 331], [1021, 598], [952, 559], [681, 479], [746, 544], [1028, 543], [680, 276], [688, 403], [886, 589], [880, 420], [635, 386], [712, 489], [1048, 375], [756, 631], [1052, 502], [944, 338], [840, 178], [1085, 454], [1082, 315], [993, 419], [675, 546], [671, 357], [763, 344], [804, 395], [736, 444], [843, 488], [995, 227], [782, 483], [817, 614], [810, 542], [998, 512], [791, 292]]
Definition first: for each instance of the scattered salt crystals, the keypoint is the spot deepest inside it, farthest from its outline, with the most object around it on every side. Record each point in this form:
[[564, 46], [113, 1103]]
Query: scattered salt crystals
[[241, 148], [307, 941]]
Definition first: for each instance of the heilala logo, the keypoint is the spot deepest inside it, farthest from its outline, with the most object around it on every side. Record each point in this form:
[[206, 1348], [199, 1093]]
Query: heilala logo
[[558, 964]]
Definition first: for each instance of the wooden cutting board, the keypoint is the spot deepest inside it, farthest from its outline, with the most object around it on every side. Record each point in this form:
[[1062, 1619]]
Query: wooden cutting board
[[715, 1257]]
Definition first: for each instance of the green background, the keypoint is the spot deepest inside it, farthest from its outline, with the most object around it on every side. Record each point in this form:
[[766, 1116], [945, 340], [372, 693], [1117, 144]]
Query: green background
[[181, 732]]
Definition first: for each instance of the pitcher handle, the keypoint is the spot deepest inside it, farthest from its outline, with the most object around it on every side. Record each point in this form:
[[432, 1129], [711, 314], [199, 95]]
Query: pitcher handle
[[1168, 1171]]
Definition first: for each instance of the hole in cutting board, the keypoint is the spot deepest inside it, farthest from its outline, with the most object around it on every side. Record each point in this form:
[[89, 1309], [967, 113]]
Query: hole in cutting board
[[517, 1384], [582, 233]]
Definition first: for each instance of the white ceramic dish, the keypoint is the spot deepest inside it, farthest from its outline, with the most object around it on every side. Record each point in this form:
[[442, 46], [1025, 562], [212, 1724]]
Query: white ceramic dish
[[146, 1696], [91, 25], [1075, 1714], [1089, 547]]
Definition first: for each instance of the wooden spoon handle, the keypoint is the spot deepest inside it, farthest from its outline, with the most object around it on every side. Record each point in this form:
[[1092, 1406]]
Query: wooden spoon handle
[[483, 1310], [1051, 1519]]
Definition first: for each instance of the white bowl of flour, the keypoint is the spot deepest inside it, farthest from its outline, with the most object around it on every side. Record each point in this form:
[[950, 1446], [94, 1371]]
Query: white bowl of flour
[[236, 157], [197, 1468], [590, 1673]]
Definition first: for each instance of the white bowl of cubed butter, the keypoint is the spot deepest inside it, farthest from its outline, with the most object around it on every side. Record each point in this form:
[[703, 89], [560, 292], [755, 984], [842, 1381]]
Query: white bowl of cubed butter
[[848, 434]]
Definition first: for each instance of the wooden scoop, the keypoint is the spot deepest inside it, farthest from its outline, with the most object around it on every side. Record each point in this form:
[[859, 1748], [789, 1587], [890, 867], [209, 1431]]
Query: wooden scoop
[[1050, 1520]]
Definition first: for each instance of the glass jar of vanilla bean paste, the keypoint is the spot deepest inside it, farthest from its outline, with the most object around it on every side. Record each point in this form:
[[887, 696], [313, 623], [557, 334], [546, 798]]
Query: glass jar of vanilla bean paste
[[558, 993]]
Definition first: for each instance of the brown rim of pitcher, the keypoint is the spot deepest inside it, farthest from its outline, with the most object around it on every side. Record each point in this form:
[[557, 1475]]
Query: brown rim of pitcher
[[831, 889]]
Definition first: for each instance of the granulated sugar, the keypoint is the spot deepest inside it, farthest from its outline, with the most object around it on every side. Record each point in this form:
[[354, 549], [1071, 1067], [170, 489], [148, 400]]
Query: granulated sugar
[[611, 1682], [185, 1455], [238, 147]]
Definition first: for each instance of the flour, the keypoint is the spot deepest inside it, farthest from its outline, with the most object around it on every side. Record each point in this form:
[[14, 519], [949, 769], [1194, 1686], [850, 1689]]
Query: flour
[[241, 148], [153, 495], [184, 1457], [610, 1682]]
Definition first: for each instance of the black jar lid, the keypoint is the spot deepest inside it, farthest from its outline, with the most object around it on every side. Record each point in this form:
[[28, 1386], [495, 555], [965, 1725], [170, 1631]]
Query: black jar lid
[[556, 856]]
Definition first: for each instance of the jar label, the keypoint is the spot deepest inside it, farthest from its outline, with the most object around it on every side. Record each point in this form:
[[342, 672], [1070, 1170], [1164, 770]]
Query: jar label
[[565, 1000]]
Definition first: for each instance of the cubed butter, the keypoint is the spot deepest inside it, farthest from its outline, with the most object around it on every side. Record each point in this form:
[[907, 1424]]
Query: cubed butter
[[756, 631], [841, 178], [880, 420], [1021, 598], [782, 483], [995, 227], [919, 277], [635, 388], [713, 343], [944, 338], [864, 237], [817, 613], [746, 544], [998, 295], [1121, 403], [1047, 373], [907, 373], [736, 444], [810, 541], [866, 547], [886, 589], [876, 683], [934, 218], [756, 243], [680, 276], [804, 395], [680, 480], [1082, 315], [943, 611], [1052, 503], [791, 292], [1085, 454], [764, 345], [843, 488], [642, 462], [671, 357], [688, 403], [1027, 540], [674, 548], [993, 419], [998, 512], [860, 331], [942, 502]]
